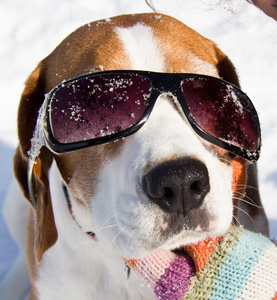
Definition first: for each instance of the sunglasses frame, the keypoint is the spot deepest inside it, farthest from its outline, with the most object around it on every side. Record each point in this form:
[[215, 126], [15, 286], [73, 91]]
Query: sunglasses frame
[[160, 83]]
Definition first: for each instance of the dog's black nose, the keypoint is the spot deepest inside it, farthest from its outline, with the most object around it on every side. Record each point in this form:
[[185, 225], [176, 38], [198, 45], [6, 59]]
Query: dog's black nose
[[177, 186]]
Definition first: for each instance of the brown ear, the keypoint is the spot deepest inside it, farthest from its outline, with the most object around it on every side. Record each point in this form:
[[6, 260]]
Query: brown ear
[[225, 68], [31, 100]]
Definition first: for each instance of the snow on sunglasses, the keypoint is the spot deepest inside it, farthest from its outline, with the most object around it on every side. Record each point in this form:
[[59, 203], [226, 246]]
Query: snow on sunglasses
[[102, 107]]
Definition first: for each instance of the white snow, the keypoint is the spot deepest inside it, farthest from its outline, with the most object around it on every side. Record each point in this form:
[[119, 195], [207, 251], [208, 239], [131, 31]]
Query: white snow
[[30, 29]]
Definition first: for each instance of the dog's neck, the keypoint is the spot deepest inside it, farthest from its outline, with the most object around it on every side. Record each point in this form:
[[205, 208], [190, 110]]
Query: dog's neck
[[91, 269]]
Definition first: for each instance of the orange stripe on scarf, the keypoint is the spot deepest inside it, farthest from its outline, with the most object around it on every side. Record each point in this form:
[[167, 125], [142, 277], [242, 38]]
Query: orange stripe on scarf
[[201, 252]]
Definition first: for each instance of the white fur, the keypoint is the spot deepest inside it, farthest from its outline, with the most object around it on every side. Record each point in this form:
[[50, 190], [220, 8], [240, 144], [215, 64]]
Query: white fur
[[141, 48], [77, 267], [200, 67]]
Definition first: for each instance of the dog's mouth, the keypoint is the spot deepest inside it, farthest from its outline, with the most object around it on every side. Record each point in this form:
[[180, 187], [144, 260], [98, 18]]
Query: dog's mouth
[[180, 251]]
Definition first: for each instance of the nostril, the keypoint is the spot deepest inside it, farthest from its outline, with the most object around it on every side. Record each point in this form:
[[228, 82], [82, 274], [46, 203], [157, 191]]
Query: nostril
[[168, 193], [199, 186], [196, 186], [198, 190]]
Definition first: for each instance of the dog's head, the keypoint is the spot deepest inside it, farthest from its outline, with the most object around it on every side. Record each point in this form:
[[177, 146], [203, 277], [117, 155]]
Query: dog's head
[[161, 186]]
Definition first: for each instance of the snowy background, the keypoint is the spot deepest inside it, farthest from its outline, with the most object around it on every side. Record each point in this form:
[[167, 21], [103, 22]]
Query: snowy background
[[31, 29]]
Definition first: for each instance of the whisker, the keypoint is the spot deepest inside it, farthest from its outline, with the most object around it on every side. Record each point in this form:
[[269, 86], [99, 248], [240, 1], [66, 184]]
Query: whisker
[[244, 186], [233, 223], [109, 226], [250, 202], [242, 210], [237, 220], [102, 227], [244, 197], [117, 236], [247, 200]]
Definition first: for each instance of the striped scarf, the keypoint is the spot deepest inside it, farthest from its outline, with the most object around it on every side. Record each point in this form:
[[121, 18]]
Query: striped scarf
[[239, 265]]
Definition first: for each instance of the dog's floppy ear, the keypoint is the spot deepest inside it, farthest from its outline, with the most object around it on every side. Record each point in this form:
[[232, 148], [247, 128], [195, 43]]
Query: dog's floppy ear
[[31, 100], [225, 67]]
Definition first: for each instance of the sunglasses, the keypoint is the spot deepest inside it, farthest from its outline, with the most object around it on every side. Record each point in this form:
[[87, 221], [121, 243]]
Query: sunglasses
[[102, 107]]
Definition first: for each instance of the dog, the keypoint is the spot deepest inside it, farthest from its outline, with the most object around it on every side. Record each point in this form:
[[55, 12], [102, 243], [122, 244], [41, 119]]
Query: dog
[[161, 184]]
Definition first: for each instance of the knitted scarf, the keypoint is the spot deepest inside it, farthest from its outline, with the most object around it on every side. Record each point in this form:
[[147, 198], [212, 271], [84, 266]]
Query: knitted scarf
[[238, 265]]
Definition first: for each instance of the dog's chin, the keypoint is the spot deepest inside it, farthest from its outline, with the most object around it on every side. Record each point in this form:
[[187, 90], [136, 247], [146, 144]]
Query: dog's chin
[[169, 232], [178, 243], [175, 244], [189, 237]]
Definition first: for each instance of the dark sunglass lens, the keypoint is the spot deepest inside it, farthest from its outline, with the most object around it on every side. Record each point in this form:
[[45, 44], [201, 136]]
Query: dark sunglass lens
[[222, 111], [98, 106]]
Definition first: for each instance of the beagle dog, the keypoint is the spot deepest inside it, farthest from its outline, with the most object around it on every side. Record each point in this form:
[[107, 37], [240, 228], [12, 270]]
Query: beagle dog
[[133, 136]]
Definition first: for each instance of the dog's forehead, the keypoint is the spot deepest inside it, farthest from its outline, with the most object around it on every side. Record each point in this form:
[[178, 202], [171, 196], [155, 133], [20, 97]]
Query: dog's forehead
[[156, 42], [151, 42], [141, 48], [146, 48]]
